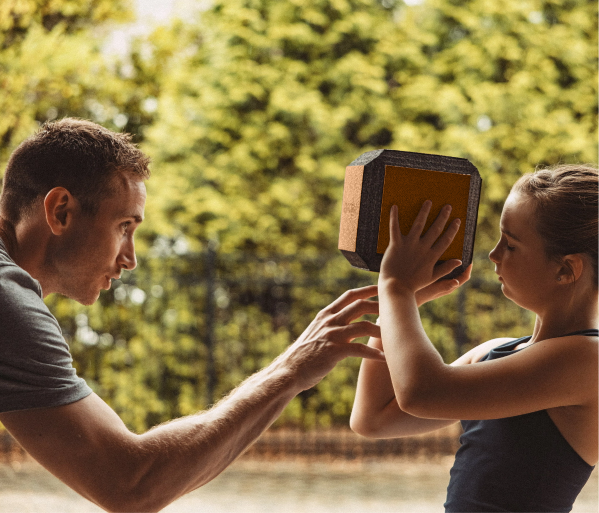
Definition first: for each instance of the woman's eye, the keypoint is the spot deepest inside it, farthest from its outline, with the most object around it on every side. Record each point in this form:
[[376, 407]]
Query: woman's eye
[[507, 246]]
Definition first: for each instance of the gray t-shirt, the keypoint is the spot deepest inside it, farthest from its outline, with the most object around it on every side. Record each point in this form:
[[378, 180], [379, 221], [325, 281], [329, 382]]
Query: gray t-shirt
[[36, 368]]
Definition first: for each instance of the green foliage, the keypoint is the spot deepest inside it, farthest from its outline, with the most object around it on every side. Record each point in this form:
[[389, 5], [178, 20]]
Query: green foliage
[[51, 66], [251, 112]]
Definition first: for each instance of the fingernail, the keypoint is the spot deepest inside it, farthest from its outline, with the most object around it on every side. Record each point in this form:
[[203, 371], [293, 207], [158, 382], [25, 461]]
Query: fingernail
[[458, 222]]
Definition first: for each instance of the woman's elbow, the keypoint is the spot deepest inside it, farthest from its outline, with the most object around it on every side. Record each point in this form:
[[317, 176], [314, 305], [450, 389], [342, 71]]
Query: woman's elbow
[[416, 401], [364, 425]]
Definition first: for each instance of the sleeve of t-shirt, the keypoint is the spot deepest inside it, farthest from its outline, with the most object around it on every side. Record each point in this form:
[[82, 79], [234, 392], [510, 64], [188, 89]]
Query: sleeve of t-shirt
[[36, 367]]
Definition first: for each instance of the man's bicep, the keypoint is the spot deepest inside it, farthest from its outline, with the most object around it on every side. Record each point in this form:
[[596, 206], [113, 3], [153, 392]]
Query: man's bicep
[[85, 444], [36, 367]]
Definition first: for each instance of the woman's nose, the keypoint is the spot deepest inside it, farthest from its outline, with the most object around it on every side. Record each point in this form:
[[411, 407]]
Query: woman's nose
[[493, 255]]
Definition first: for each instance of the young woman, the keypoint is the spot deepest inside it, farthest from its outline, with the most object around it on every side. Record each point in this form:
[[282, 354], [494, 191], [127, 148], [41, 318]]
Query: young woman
[[530, 438]]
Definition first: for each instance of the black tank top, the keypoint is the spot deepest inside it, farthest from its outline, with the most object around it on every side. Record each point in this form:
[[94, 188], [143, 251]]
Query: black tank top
[[520, 463]]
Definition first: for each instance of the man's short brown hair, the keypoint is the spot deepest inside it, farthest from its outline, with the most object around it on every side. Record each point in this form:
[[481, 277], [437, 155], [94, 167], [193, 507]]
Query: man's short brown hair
[[76, 154]]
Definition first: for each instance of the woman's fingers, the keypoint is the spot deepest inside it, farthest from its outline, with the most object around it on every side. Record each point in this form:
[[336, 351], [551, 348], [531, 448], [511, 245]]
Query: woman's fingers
[[436, 229], [446, 239], [411, 258], [420, 221], [445, 268], [465, 276], [394, 230]]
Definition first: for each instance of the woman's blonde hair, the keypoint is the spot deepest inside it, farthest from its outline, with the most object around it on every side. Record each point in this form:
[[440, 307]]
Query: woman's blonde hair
[[565, 200]]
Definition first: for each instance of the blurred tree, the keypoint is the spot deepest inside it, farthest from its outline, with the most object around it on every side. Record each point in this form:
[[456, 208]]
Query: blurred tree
[[51, 66], [253, 110], [266, 102]]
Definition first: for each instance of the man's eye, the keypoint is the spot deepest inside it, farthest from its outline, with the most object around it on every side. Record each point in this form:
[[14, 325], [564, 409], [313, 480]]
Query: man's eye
[[125, 226]]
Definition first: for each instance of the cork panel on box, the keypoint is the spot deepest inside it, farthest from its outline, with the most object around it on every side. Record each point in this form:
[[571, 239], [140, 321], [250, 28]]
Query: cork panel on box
[[350, 210], [409, 188]]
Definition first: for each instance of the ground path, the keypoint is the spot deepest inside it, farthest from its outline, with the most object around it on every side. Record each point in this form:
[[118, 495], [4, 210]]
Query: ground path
[[276, 485]]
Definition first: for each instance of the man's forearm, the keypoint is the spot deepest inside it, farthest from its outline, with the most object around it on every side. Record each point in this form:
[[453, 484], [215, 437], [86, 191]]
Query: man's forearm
[[86, 444], [206, 443]]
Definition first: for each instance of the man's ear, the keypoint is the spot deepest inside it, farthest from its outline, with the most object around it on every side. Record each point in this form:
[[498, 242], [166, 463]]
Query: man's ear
[[571, 269], [59, 207]]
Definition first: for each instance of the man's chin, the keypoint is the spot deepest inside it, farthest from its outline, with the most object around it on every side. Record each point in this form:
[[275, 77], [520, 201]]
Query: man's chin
[[84, 299], [88, 302]]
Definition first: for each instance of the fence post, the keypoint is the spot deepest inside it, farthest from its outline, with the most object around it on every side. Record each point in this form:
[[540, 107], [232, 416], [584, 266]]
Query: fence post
[[210, 311]]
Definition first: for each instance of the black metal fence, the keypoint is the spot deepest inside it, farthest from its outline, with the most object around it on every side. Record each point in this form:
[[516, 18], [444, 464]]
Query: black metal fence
[[216, 318]]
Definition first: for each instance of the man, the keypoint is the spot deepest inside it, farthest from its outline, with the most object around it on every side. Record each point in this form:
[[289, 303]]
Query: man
[[73, 196]]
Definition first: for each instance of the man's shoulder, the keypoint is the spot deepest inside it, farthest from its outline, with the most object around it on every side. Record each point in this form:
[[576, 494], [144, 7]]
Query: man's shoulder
[[21, 302], [14, 280]]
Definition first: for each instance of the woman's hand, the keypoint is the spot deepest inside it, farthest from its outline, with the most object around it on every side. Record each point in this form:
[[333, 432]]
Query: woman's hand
[[409, 261], [442, 288]]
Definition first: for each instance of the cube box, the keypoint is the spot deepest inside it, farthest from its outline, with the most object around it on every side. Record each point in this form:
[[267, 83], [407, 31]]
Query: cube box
[[378, 179]]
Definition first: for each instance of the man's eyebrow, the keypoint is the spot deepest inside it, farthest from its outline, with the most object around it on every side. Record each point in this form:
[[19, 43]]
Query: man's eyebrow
[[138, 219]]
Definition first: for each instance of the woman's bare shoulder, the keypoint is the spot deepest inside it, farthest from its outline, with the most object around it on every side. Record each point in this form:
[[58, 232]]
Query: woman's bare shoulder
[[476, 353], [584, 346]]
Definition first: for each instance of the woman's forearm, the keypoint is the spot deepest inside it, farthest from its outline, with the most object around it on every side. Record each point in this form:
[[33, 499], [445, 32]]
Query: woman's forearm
[[374, 396], [376, 412], [415, 365]]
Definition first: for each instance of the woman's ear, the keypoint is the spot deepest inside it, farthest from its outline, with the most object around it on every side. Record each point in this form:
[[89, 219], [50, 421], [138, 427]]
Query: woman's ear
[[571, 269], [59, 206]]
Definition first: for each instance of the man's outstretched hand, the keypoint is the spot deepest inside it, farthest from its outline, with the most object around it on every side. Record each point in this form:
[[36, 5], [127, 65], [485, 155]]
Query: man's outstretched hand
[[87, 446], [327, 340]]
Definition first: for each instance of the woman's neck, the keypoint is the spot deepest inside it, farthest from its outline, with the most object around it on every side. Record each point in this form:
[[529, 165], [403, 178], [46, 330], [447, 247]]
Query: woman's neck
[[578, 314]]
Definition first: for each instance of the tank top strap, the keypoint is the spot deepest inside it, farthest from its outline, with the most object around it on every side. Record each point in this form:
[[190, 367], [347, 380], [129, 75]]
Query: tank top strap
[[510, 347]]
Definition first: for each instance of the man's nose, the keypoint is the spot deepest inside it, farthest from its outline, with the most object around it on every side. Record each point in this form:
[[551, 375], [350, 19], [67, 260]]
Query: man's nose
[[127, 259]]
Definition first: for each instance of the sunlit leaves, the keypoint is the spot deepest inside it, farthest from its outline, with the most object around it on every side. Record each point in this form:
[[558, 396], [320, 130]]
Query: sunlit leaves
[[251, 112]]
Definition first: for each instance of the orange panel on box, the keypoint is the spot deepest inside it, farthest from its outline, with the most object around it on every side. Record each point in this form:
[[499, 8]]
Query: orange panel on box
[[350, 214], [409, 188]]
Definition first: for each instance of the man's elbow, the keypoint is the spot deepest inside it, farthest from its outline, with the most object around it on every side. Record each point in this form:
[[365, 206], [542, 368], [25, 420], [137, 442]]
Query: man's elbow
[[135, 488], [125, 500]]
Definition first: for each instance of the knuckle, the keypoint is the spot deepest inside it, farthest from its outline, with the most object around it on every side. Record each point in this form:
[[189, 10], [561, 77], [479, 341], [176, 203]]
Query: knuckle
[[322, 315]]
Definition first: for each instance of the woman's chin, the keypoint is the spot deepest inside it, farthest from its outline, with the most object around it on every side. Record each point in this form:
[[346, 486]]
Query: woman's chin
[[506, 292]]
